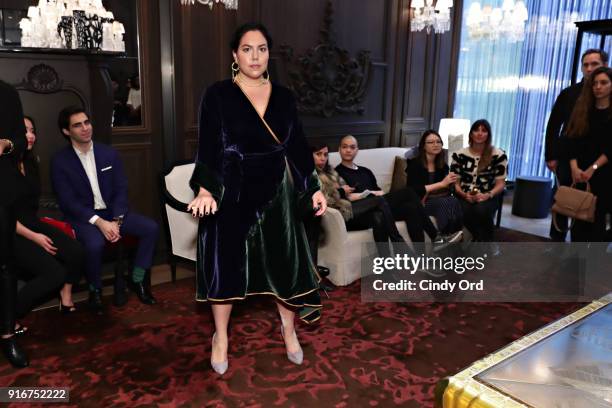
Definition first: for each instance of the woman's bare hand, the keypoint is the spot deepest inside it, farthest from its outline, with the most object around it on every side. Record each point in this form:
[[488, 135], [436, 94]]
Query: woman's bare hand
[[45, 243], [203, 204], [451, 178], [348, 189], [578, 175], [319, 203]]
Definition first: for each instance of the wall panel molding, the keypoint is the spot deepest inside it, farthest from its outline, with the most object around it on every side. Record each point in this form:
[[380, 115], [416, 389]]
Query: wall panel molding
[[138, 166], [410, 86]]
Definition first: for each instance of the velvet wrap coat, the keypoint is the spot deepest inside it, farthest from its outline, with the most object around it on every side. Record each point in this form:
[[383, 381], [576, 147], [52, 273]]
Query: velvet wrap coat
[[255, 243]]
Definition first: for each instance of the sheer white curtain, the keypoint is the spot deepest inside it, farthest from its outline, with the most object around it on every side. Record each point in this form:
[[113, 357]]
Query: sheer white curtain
[[515, 85]]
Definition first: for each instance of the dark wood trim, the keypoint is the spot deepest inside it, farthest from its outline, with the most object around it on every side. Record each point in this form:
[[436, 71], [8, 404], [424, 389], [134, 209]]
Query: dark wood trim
[[389, 54], [189, 120], [454, 59], [145, 68], [403, 39], [167, 50]]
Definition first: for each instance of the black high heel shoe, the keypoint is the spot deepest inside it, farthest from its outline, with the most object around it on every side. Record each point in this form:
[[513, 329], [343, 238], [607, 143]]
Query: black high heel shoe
[[65, 310]]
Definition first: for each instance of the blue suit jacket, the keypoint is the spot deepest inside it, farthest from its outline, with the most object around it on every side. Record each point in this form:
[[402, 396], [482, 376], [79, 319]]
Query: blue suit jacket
[[72, 187]]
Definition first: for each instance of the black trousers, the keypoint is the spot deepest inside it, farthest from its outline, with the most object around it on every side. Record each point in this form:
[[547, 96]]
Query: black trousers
[[406, 206], [43, 272], [8, 280], [478, 219], [371, 212], [583, 231], [374, 212]]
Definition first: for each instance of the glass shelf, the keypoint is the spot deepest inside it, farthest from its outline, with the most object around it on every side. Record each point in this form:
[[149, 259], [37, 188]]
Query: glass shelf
[[63, 51]]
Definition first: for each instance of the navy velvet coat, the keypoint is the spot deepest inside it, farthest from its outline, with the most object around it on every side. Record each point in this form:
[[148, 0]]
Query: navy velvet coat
[[255, 243]]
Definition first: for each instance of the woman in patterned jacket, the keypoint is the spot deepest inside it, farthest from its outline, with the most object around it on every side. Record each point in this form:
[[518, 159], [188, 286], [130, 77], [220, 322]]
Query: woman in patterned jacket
[[481, 169]]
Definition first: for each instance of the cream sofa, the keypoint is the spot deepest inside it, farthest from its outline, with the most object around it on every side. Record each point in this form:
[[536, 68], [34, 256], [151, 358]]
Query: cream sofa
[[342, 251]]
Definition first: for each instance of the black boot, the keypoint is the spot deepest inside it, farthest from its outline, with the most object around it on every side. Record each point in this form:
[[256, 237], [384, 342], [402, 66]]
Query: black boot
[[143, 292], [13, 353], [95, 302], [8, 299]]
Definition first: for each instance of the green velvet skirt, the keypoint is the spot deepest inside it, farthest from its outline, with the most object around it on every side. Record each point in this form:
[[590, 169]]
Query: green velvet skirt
[[270, 257]]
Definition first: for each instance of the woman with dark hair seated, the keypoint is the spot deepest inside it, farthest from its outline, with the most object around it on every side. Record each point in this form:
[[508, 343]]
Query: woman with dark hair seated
[[429, 177], [45, 257], [481, 175], [358, 213]]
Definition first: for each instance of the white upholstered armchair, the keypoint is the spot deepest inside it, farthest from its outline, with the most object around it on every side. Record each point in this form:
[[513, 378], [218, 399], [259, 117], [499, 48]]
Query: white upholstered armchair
[[181, 228]]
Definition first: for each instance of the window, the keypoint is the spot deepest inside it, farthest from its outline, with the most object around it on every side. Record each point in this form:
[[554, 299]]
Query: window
[[514, 85]]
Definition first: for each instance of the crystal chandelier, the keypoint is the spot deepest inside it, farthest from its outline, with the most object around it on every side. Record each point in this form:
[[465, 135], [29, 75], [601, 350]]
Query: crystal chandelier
[[490, 23], [72, 24], [229, 4], [427, 16]]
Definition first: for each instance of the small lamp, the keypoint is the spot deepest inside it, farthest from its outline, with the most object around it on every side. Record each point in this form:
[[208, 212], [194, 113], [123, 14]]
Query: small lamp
[[455, 134]]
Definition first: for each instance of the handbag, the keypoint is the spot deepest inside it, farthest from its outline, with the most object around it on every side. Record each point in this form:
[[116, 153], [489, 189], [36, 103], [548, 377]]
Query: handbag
[[574, 203]]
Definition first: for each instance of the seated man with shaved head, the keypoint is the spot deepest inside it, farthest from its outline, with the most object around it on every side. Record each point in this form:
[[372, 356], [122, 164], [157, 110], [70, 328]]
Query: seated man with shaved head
[[405, 203]]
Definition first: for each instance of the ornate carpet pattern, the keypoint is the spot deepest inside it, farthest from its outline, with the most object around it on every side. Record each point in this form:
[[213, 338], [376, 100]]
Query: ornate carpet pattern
[[358, 355]]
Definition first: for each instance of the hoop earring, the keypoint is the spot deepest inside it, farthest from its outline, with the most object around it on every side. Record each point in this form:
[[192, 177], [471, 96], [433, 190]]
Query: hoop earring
[[235, 70], [266, 76]]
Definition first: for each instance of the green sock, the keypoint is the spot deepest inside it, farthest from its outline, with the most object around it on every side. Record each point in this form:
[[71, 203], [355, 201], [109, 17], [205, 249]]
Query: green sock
[[138, 274]]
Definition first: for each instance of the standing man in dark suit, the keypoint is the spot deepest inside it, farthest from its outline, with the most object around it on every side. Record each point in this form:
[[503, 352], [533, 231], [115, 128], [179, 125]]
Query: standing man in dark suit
[[555, 152], [12, 146], [91, 188]]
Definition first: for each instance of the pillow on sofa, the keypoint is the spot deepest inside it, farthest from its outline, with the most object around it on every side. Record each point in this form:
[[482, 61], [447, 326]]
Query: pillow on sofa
[[399, 179], [412, 152]]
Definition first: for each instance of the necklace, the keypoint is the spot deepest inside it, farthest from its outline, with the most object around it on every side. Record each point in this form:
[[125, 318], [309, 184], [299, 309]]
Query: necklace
[[241, 81]]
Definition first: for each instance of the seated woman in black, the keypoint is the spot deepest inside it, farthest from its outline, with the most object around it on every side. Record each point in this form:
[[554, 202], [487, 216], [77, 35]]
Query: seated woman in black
[[358, 213], [45, 257], [429, 177], [481, 175], [591, 149]]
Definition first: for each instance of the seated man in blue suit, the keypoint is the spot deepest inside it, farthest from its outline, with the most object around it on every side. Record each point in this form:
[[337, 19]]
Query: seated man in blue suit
[[91, 189]]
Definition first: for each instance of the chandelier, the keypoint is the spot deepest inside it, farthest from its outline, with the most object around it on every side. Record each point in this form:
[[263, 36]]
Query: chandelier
[[229, 4], [72, 24], [427, 16], [507, 21]]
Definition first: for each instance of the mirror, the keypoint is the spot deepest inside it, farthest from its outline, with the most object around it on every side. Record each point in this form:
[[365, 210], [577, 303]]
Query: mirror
[[125, 71]]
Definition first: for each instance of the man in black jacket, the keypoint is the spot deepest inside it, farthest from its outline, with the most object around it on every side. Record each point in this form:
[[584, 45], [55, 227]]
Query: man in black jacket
[[555, 152], [12, 145]]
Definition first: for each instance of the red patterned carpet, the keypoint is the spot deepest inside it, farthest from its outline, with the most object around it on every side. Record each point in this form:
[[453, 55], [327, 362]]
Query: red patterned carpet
[[360, 354]]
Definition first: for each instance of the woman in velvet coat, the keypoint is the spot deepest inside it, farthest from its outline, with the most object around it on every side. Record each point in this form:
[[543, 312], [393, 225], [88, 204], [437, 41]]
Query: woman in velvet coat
[[254, 182]]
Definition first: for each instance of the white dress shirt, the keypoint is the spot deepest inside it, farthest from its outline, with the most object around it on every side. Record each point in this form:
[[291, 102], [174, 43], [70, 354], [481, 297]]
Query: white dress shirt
[[88, 160], [134, 98]]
